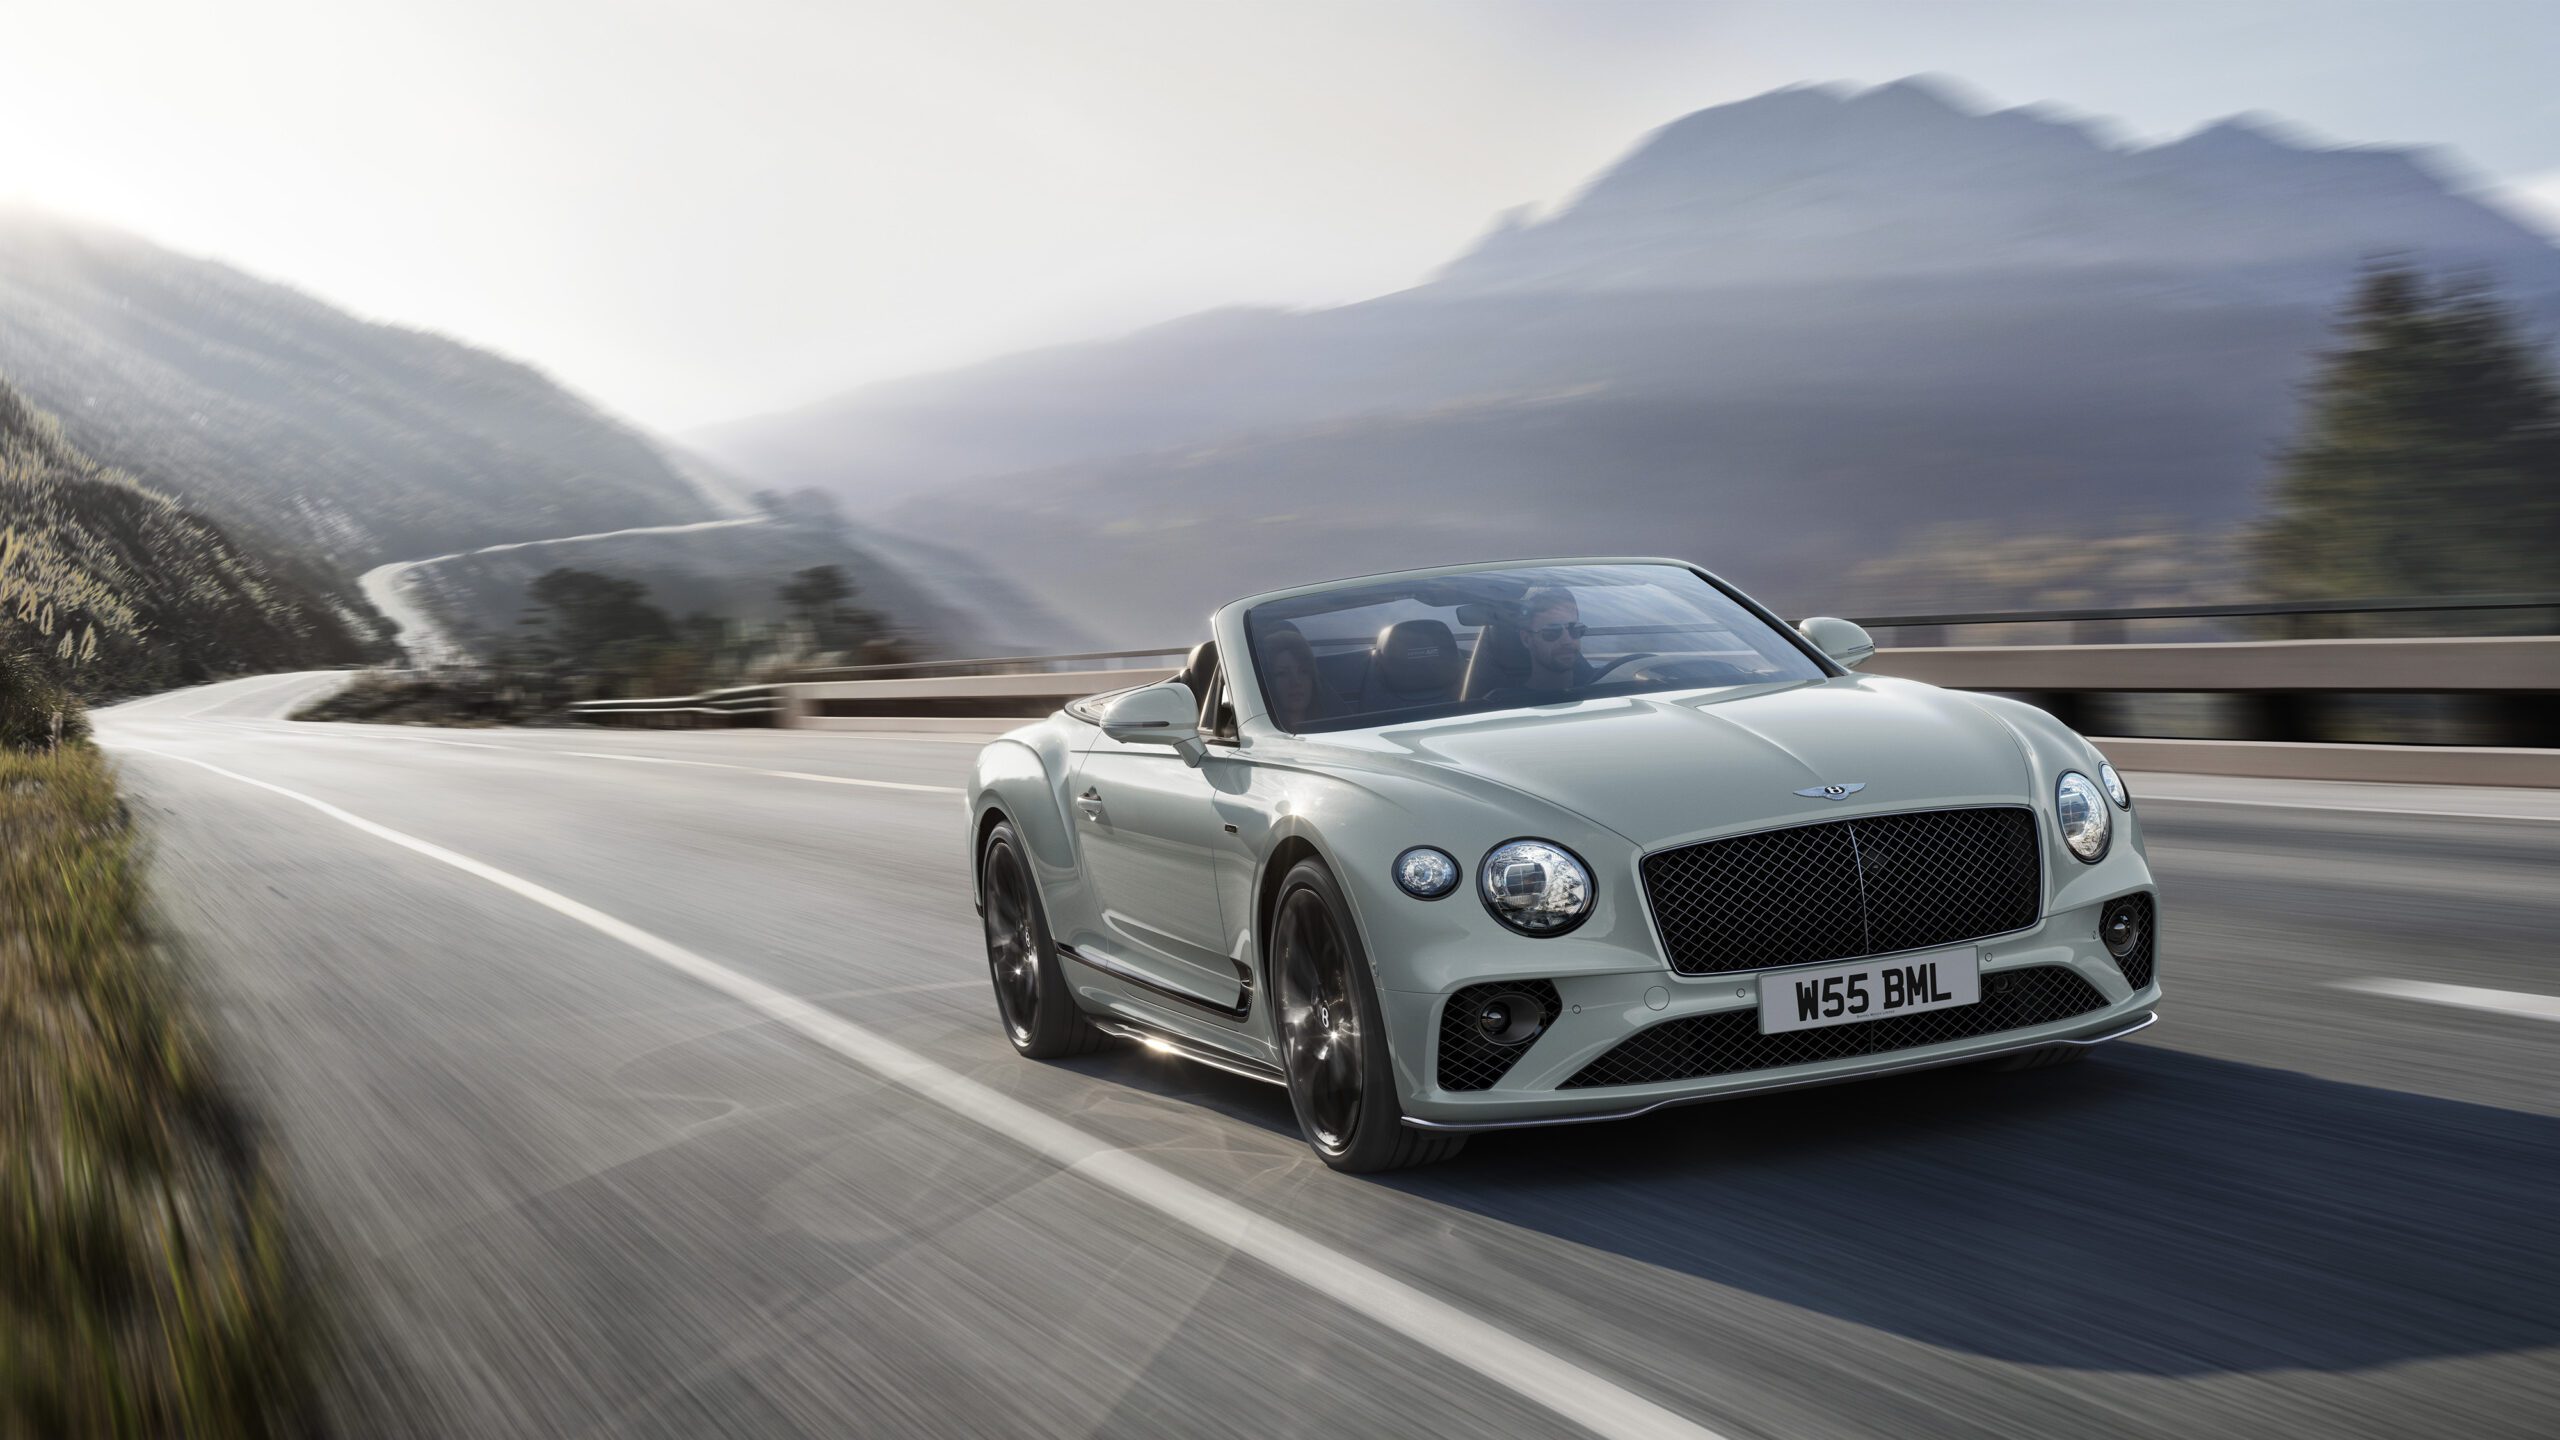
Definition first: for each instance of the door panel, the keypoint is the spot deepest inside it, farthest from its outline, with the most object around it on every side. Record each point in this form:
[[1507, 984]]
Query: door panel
[[1147, 828]]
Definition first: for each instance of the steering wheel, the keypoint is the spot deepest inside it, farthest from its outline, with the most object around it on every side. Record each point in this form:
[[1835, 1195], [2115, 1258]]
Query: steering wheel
[[1603, 672]]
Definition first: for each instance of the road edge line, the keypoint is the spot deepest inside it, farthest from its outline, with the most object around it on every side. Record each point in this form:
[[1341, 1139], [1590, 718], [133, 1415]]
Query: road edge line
[[1545, 1379]]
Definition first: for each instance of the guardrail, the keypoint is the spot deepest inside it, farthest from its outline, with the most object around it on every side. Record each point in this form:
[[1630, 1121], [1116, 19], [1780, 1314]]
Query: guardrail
[[737, 705], [2276, 697]]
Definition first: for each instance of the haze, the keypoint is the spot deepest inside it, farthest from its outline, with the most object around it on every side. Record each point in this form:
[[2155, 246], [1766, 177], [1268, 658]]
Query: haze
[[695, 211]]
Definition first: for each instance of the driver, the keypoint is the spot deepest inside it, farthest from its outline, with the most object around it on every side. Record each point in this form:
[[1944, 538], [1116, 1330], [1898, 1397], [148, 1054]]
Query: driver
[[1552, 630]]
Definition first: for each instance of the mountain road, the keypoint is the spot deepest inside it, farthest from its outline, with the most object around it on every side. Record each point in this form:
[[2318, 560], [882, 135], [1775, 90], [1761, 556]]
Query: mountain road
[[649, 1084]]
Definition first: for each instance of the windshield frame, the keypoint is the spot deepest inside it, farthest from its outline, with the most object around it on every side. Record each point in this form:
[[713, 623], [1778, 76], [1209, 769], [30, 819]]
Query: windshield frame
[[1253, 710]]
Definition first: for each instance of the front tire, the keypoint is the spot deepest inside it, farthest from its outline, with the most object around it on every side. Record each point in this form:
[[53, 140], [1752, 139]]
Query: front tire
[[1039, 1013], [1333, 1035]]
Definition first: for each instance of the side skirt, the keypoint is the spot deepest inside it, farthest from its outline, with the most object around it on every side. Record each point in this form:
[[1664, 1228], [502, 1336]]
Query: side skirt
[[1189, 1049], [1242, 1007]]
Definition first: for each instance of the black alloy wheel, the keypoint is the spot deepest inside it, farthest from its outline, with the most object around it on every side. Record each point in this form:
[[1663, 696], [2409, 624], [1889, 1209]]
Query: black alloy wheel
[[1040, 1016], [1333, 1045]]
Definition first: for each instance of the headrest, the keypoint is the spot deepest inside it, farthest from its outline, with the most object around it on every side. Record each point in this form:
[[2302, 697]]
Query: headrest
[[1416, 657], [1197, 670]]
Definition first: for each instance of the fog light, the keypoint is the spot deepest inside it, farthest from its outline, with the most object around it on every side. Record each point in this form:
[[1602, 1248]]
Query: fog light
[[2120, 926], [1513, 1017]]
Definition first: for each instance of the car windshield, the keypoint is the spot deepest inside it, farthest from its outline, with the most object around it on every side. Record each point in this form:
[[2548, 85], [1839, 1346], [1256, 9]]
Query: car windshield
[[1376, 652]]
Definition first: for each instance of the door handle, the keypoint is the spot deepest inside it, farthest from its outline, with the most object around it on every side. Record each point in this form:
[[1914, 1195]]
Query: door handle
[[1090, 802]]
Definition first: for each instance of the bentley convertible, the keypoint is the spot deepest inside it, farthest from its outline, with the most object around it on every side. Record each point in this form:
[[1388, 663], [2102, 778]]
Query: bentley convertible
[[1521, 844]]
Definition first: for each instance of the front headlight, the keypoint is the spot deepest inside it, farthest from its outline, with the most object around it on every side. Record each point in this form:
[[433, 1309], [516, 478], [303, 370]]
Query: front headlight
[[1535, 887], [2114, 782], [2083, 812]]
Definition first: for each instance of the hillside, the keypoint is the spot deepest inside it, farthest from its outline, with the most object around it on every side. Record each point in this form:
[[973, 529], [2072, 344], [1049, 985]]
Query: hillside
[[117, 589], [1779, 336], [338, 439]]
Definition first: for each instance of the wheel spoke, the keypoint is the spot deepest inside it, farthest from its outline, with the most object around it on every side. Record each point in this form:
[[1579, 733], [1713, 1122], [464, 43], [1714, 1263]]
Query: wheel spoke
[[1013, 947], [1319, 1019]]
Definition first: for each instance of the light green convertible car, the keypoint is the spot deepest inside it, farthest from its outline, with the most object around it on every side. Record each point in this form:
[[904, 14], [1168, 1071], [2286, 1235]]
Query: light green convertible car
[[1539, 842]]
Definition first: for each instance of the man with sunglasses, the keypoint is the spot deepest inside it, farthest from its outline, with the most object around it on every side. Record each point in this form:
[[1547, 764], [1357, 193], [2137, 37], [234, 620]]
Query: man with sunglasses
[[1552, 630]]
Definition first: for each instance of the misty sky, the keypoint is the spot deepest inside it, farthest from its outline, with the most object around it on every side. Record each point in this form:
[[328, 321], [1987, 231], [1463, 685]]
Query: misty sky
[[695, 210]]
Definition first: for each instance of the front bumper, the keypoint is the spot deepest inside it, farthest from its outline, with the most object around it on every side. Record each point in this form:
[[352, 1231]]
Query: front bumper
[[1599, 1011]]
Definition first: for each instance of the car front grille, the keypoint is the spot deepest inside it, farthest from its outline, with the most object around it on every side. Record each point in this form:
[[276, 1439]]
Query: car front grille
[[1846, 888], [1468, 1061], [1729, 1042]]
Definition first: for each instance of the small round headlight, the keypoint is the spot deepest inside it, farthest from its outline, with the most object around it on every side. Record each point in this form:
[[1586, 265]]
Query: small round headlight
[[1425, 873], [1535, 887], [2083, 812], [2114, 782]]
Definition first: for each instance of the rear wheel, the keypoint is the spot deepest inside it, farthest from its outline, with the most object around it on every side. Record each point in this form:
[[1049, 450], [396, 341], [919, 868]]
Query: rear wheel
[[1333, 1034], [1040, 1016]]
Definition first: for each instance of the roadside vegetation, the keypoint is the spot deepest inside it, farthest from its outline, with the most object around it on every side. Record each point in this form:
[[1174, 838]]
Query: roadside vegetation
[[2426, 463], [147, 1285], [114, 589], [2429, 457]]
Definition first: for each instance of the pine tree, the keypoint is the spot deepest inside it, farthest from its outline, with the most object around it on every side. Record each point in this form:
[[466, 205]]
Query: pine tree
[[2429, 462]]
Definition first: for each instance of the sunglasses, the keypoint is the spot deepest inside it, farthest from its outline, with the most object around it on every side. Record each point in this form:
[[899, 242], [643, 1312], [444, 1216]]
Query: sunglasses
[[1553, 633]]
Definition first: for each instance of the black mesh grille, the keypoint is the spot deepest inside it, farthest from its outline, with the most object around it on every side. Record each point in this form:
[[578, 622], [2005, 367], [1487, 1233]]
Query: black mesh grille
[[1468, 1061], [2137, 964], [1846, 888], [1729, 1041]]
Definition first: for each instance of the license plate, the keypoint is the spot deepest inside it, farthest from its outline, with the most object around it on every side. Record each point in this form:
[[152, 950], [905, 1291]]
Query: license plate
[[1869, 990]]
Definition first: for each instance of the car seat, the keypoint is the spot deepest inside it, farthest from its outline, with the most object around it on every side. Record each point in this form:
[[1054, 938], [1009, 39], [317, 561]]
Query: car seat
[[1413, 662]]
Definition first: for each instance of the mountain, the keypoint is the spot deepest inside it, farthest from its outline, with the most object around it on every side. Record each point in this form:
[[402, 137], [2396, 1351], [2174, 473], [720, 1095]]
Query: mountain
[[1778, 336], [1906, 181], [333, 444], [116, 589], [339, 439]]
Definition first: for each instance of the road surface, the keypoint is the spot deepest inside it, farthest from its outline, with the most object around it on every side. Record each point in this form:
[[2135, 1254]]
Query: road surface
[[648, 1084]]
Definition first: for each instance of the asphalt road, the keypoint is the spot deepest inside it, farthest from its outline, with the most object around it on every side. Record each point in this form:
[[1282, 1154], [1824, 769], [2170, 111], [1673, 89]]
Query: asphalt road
[[633, 1098]]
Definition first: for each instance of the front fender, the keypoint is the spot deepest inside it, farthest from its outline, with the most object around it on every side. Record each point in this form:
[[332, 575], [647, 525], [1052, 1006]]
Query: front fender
[[1024, 776], [1359, 823]]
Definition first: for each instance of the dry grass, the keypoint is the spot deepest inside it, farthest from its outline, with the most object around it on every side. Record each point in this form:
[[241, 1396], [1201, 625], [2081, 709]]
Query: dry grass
[[145, 1285]]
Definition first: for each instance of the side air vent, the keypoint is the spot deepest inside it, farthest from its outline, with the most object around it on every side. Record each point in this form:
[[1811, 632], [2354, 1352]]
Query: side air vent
[[2126, 926]]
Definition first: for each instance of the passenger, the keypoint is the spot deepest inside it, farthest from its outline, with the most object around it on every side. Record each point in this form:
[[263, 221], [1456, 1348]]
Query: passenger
[[1551, 630], [1289, 679]]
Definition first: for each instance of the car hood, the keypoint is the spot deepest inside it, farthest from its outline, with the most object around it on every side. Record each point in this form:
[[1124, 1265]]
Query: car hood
[[1663, 768]]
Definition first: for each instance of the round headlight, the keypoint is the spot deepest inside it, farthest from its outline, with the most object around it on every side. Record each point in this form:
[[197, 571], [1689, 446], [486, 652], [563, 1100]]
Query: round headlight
[[2083, 812], [2114, 782], [1535, 887], [1425, 873]]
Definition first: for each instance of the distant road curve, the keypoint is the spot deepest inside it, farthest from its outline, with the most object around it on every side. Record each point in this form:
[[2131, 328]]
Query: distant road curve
[[389, 588]]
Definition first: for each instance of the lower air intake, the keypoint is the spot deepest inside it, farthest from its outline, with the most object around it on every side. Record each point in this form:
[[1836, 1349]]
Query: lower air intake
[[1469, 1060], [1729, 1041]]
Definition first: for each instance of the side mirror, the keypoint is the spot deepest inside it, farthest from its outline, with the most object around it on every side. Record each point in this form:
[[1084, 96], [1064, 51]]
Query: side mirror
[[1166, 714], [1849, 644]]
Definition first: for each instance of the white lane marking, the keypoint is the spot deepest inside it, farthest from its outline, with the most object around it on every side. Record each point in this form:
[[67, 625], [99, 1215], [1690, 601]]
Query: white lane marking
[[661, 760], [1541, 1377], [2467, 997], [2350, 809]]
